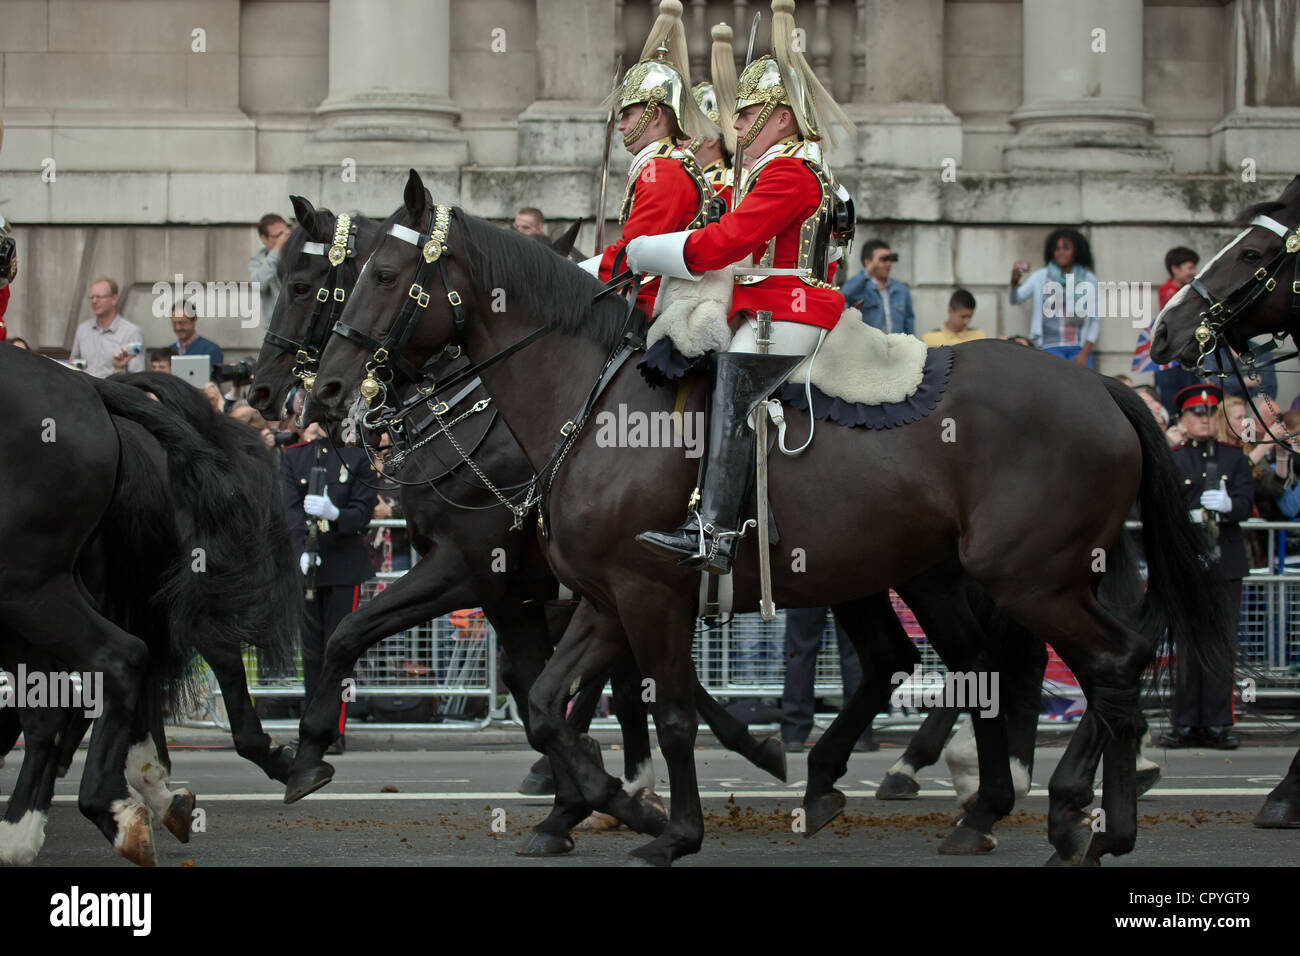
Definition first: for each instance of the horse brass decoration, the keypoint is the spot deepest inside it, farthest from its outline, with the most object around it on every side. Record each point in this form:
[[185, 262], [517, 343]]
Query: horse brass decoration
[[339, 248], [369, 388], [1293, 243]]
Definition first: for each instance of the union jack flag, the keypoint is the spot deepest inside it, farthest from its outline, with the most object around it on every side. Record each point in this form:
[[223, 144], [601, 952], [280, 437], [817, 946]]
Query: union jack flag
[[1142, 355]]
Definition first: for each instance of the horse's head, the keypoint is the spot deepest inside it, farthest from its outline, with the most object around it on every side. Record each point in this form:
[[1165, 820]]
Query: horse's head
[[403, 309], [313, 288], [1250, 287]]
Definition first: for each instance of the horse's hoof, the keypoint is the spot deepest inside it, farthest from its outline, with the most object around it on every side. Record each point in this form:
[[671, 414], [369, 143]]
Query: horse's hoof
[[135, 835], [822, 810], [654, 817], [303, 782], [538, 843], [771, 757], [538, 784], [1146, 779], [898, 786], [652, 854], [1074, 848], [180, 815], [1277, 815], [967, 841], [598, 822], [279, 764]]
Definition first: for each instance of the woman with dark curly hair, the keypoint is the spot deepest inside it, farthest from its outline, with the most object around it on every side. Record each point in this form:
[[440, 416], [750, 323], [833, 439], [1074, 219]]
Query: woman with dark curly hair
[[1066, 321]]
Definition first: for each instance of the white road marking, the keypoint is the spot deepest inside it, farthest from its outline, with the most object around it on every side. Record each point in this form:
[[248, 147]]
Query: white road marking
[[338, 797]]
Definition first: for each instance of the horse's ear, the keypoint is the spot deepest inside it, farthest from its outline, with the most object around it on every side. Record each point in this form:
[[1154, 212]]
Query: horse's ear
[[307, 216], [414, 197], [564, 244]]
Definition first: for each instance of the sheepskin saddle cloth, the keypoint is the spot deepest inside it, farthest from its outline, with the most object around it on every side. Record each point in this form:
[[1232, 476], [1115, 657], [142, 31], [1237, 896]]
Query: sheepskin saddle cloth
[[861, 376]]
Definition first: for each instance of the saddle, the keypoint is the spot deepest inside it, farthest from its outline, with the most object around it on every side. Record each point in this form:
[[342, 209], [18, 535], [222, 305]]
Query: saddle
[[860, 377]]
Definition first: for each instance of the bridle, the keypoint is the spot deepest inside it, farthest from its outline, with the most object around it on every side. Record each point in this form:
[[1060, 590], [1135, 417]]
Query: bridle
[[329, 303], [1214, 332], [1215, 320], [384, 358]]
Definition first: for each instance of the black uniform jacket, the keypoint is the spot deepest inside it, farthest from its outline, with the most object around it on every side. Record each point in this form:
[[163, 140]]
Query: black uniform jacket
[[1234, 468], [352, 485]]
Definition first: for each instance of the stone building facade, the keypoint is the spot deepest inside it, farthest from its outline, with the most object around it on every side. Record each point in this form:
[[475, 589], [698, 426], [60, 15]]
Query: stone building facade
[[142, 137]]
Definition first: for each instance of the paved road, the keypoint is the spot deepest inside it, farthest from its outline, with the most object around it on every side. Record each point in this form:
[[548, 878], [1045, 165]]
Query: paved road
[[437, 807]]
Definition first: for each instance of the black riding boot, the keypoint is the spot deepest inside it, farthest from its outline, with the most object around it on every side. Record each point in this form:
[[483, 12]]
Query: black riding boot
[[740, 381]]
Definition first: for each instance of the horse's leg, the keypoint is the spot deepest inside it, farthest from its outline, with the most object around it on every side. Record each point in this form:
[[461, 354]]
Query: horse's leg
[[10, 729], [588, 649], [436, 586], [22, 831], [540, 779], [148, 769], [1022, 659], [93, 644], [767, 754], [662, 644], [251, 741], [1282, 805], [923, 749], [74, 729], [1092, 639], [884, 649]]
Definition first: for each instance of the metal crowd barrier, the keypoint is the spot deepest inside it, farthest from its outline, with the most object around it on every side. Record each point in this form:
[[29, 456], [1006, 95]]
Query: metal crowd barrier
[[454, 659]]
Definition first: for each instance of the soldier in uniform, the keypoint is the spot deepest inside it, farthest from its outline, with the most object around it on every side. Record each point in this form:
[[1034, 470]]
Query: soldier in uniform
[[783, 218], [715, 154], [666, 191], [1220, 492], [342, 514]]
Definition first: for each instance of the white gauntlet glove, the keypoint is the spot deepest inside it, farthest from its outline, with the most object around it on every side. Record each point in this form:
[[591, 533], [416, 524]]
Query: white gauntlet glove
[[1217, 499], [320, 506]]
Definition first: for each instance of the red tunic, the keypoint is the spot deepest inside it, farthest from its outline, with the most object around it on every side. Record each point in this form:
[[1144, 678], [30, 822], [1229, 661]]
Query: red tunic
[[665, 199], [785, 194]]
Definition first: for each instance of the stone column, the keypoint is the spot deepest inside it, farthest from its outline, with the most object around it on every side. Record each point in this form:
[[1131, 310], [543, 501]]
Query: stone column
[[389, 87], [565, 125], [1082, 105], [899, 111], [1263, 89]]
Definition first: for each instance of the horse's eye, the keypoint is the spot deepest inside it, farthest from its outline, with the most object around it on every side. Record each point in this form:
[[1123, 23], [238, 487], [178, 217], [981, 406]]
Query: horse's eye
[[385, 276], [1252, 254], [301, 288]]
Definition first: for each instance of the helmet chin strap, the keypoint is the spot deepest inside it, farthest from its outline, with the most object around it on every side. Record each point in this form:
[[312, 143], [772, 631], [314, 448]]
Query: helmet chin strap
[[759, 122], [647, 117]]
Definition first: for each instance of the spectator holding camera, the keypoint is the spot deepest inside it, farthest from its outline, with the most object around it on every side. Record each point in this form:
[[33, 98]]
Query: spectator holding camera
[[107, 342], [264, 264], [1066, 320], [886, 303]]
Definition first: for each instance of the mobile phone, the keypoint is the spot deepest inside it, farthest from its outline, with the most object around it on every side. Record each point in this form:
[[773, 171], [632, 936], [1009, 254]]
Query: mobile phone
[[134, 348]]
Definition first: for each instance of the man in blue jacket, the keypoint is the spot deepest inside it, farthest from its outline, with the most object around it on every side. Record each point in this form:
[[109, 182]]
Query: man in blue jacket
[[885, 303]]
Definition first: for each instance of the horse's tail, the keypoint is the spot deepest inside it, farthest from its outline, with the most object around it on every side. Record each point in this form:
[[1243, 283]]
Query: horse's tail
[[138, 545], [1185, 592], [236, 580]]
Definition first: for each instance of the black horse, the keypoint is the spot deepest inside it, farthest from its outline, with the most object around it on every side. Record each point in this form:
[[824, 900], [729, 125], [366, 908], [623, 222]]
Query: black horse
[[1037, 564], [460, 536], [1250, 288], [145, 520]]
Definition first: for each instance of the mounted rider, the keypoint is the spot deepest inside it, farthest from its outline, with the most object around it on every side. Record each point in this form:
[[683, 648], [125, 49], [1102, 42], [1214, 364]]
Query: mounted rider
[[788, 211], [666, 190], [715, 154]]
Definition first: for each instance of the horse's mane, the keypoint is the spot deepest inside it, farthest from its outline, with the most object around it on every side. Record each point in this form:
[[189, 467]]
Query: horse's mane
[[547, 286]]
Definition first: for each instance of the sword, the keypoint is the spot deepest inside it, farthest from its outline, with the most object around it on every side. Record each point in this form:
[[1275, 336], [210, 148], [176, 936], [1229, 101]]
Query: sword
[[765, 606], [604, 166], [738, 160]]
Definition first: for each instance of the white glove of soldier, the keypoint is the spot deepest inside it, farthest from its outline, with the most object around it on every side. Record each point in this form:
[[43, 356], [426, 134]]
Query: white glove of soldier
[[320, 506], [306, 559], [1217, 499]]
